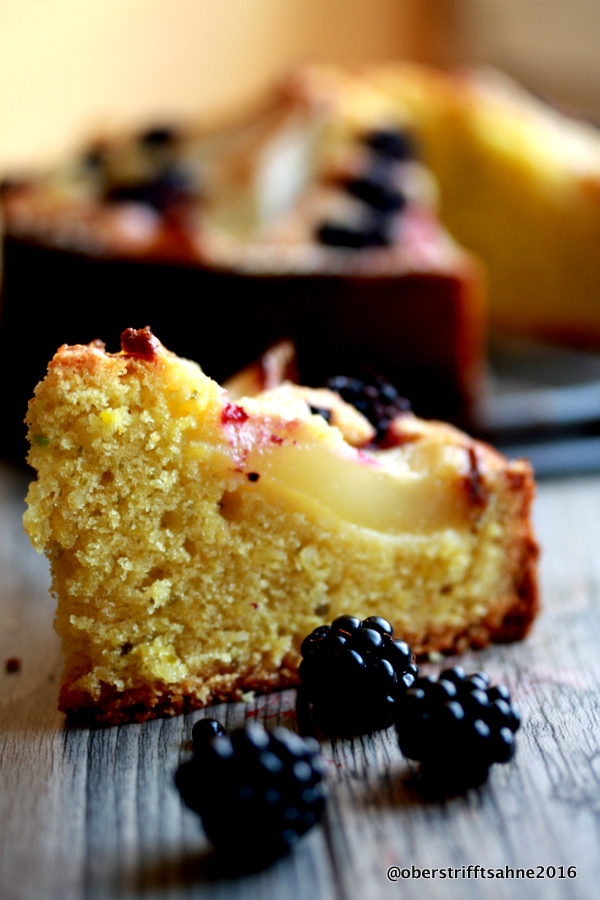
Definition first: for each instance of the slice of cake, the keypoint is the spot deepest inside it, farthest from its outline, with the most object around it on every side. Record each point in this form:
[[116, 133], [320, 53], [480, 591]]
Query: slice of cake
[[195, 541]]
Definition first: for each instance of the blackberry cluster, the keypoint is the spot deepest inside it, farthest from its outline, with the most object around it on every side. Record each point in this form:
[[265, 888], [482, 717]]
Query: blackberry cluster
[[391, 143], [164, 192], [256, 792], [167, 185], [377, 190], [377, 399], [353, 672], [456, 726]]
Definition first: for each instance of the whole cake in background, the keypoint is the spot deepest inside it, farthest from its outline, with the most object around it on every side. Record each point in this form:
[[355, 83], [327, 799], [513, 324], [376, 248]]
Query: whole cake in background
[[195, 540], [316, 217], [313, 219]]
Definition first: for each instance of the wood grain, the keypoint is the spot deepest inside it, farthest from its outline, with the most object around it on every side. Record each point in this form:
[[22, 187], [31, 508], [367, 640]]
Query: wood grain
[[94, 814]]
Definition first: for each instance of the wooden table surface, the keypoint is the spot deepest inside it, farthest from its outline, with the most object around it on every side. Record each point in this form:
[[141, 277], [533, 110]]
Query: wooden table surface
[[94, 813]]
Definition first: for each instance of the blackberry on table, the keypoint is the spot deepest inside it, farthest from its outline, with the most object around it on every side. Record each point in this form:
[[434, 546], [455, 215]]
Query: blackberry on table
[[353, 671], [204, 730], [457, 726], [256, 792], [377, 399]]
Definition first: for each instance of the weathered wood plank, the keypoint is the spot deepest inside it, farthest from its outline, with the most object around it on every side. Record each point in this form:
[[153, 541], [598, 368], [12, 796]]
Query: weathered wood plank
[[94, 813]]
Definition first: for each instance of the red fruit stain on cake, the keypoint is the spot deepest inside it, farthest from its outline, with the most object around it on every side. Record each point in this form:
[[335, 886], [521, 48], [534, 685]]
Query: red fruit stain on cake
[[140, 342], [366, 458], [12, 665], [233, 414]]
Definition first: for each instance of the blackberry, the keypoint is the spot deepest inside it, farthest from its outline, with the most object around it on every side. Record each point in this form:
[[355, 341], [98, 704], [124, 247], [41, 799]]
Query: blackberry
[[352, 672], [204, 730], [380, 197], [94, 158], [376, 399], [457, 726], [353, 237], [321, 411], [391, 143], [159, 136], [166, 191], [256, 792], [376, 190]]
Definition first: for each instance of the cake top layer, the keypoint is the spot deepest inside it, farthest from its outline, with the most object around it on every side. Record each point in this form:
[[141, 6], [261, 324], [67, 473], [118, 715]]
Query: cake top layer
[[325, 177], [305, 442]]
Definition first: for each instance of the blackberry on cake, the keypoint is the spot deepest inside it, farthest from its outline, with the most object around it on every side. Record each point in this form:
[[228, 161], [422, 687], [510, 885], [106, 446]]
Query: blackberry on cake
[[182, 579], [379, 184], [377, 399]]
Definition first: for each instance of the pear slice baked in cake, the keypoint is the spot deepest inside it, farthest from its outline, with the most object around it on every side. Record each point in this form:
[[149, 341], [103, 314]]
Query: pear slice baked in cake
[[195, 541]]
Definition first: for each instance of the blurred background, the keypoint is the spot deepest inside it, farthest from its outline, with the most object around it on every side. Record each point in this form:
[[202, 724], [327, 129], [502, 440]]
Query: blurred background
[[69, 67]]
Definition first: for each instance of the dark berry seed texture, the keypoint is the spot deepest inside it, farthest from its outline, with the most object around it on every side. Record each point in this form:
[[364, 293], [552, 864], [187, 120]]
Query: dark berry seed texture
[[352, 672], [376, 399], [256, 792], [457, 726]]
